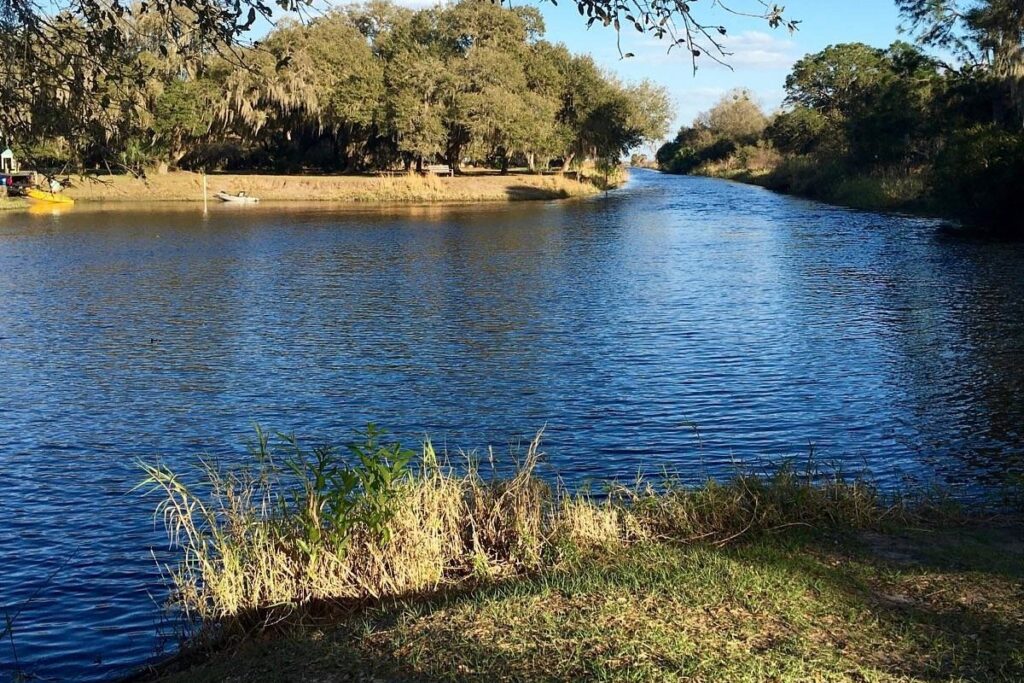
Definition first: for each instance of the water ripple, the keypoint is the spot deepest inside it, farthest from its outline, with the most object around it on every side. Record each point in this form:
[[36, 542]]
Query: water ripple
[[771, 323]]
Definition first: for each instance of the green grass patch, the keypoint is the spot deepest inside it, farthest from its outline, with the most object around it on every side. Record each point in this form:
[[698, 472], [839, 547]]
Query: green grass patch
[[883, 190], [791, 607]]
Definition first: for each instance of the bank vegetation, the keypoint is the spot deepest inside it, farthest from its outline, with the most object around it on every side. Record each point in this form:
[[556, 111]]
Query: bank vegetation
[[887, 128], [473, 185], [356, 89], [294, 526], [378, 561]]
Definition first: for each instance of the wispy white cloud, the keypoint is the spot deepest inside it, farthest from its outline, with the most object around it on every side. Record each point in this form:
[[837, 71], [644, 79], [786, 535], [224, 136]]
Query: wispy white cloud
[[746, 51], [759, 50]]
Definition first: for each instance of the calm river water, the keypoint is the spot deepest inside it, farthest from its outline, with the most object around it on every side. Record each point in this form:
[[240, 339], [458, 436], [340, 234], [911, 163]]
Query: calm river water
[[769, 322]]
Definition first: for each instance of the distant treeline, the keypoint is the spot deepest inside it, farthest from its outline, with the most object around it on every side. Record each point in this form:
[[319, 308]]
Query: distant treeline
[[882, 128], [363, 87]]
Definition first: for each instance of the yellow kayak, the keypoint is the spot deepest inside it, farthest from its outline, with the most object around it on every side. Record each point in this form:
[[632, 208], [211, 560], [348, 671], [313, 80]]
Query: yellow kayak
[[44, 196]]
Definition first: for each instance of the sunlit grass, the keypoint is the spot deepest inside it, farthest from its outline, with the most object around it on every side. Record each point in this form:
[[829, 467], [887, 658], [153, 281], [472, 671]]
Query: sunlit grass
[[885, 190], [383, 563], [798, 606], [292, 527], [394, 187]]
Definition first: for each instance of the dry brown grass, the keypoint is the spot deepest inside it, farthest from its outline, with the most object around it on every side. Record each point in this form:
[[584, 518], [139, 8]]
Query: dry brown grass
[[749, 161], [12, 204], [246, 546], [286, 532], [474, 187]]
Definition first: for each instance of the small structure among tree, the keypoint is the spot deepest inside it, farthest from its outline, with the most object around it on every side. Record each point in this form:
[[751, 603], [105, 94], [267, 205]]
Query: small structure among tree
[[8, 164]]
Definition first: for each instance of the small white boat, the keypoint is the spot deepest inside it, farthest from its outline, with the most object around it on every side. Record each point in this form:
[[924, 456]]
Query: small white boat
[[240, 198]]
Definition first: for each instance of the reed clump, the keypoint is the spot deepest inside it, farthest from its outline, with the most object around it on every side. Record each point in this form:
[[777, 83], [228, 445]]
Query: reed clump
[[293, 527]]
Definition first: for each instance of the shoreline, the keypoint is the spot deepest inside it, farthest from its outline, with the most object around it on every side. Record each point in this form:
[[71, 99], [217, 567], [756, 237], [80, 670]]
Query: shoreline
[[872, 605], [764, 180], [453, 576], [184, 186], [949, 225]]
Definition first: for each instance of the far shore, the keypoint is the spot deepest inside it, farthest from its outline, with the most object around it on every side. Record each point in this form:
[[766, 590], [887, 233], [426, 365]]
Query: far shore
[[183, 186]]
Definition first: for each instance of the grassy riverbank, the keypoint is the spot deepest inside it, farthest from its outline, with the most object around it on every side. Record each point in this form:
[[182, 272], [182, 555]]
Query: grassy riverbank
[[12, 204], [909, 606], [471, 187], [386, 569], [803, 178]]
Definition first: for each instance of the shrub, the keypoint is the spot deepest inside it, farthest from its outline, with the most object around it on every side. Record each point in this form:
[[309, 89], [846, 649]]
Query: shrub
[[798, 131], [977, 178], [758, 158], [879, 190], [686, 158], [806, 176]]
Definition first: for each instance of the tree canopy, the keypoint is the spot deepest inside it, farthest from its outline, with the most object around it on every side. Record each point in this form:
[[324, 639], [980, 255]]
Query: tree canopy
[[734, 121], [897, 122], [360, 87], [74, 69], [985, 35]]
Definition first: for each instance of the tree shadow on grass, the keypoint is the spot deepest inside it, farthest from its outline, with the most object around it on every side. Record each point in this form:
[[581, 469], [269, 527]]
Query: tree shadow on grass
[[933, 607], [939, 606]]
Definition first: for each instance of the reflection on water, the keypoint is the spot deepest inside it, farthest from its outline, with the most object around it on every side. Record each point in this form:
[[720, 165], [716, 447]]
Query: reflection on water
[[772, 323], [46, 209]]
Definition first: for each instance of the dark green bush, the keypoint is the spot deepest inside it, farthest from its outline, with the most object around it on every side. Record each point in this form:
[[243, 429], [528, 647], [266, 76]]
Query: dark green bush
[[806, 176], [798, 131], [978, 178], [676, 157]]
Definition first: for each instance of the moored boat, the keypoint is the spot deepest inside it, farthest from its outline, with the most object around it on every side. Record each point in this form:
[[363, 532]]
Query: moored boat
[[240, 198], [46, 196]]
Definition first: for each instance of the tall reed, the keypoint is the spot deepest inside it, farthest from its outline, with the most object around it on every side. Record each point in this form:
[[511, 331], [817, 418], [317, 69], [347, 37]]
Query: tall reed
[[291, 527]]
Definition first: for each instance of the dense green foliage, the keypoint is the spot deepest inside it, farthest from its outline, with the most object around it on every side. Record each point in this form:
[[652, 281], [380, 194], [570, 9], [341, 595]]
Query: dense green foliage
[[362, 87], [75, 70], [735, 122], [888, 128]]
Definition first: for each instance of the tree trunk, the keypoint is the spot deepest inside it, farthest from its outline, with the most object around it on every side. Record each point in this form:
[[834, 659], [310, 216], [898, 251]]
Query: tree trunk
[[346, 157], [454, 159], [531, 162], [1008, 60], [171, 161], [458, 137], [504, 164], [567, 162]]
